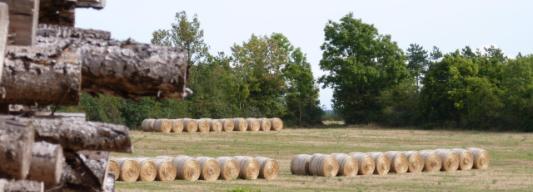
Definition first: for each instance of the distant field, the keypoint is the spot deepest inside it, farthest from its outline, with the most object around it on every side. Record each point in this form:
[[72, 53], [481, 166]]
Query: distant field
[[511, 167]]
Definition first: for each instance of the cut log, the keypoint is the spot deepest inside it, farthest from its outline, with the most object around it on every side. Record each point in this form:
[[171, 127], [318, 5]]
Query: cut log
[[22, 185], [85, 171], [46, 163], [23, 17], [49, 73], [124, 68], [16, 141], [41, 75], [4, 32], [96, 4], [75, 134]]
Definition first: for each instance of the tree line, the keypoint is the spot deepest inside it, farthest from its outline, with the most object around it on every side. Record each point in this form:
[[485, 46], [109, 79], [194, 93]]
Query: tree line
[[373, 79], [376, 81]]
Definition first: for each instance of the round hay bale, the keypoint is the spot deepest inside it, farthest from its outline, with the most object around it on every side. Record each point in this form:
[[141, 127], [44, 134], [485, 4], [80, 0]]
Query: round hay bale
[[177, 125], [190, 125], [187, 168], [249, 167], [432, 161], [269, 168], [399, 163], [449, 159], [228, 125], [148, 169], [113, 168], [215, 125], [229, 168], [382, 163], [265, 124], [240, 124], [466, 159], [253, 124], [210, 170], [365, 162], [163, 125], [323, 165], [416, 162], [277, 124], [129, 170], [481, 158], [166, 170], [300, 164], [203, 125], [348, 166], [148, 125]]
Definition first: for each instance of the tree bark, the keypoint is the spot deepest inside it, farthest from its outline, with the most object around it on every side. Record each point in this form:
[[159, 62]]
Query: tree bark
[[77, 134], [47, 163], [49, 73], [23, 16], [41, 75], [22, 185], [16, 140], [4, 32], [85, 171], [96, 4]]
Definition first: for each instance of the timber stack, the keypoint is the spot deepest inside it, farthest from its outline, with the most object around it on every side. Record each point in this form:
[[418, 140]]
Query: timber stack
[[45, 61]]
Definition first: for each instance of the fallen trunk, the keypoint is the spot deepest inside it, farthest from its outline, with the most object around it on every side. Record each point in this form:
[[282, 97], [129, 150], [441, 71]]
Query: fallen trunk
[[77, 134], [22, 185], [52, 71], [47, 163], [85, 171], [124, 68], [42, 75], [15, 147]]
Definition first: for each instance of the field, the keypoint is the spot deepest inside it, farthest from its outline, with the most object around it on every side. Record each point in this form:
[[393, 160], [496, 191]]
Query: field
[[511, 167]]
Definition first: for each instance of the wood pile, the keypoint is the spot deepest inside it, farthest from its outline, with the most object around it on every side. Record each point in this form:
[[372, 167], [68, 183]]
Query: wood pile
[[206, 125], [194, 168], [45, 61], [397, 162]]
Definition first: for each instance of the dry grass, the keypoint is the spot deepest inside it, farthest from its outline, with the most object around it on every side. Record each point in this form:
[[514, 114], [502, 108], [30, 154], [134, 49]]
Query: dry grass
[[511, 159]]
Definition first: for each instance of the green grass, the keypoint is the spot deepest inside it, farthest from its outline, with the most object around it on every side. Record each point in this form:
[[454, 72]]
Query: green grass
[[511, 166]]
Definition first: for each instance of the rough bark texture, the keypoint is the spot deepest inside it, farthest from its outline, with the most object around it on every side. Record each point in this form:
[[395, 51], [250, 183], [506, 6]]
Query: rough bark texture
[[43, 75], [84, 171], [23, 16], [21, 186], [47, 163], [4, 31], [77, 134], [124, 68], [96, 4], [16, 140]]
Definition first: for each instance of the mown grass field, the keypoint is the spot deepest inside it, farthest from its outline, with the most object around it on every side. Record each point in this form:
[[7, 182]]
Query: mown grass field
[[511, 166]]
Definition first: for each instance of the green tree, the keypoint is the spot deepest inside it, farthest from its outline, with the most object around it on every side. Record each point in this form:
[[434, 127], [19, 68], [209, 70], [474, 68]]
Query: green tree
[[360, 64], [259, 63], [302, 92], [518, 96], [186, 34], [417, 62]]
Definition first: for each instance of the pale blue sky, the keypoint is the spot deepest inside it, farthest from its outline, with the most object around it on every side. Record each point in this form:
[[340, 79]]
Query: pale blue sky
[[448, 24]]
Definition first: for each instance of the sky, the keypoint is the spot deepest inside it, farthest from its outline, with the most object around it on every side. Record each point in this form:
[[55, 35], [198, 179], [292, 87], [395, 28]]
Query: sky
[[447, 24]]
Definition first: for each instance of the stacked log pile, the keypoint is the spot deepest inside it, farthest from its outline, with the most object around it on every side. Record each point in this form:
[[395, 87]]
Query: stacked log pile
[[398, 162], [206, 125], [45, 61], [166, 168]]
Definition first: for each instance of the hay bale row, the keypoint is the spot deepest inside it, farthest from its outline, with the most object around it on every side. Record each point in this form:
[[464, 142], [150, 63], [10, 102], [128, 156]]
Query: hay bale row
[[206, 125], [398, 162], [165, 168]]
